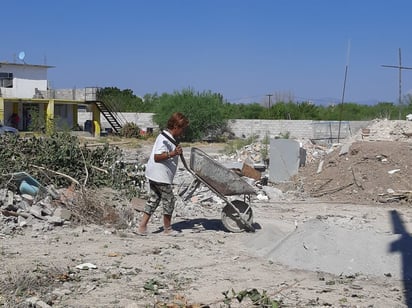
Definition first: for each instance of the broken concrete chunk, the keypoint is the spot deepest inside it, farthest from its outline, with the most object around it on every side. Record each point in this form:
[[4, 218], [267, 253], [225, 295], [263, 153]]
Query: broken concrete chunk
[[53, 192], [23, 205], [54, 220], [10, 198], [320, 166], [62, 213], [3, 194], [27, 198], [345, 148], [36, 211]]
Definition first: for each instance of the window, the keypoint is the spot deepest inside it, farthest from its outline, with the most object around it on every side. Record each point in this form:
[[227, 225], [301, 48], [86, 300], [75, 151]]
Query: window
[[6, 80]]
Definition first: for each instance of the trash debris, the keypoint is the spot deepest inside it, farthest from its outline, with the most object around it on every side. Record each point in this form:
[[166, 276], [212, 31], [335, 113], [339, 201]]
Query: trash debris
[[86, 266]]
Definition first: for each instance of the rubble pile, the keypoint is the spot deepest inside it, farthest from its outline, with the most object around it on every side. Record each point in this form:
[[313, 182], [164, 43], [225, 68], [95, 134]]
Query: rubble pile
[[371, 166], [23, 210], [385, 130], [50, 208]]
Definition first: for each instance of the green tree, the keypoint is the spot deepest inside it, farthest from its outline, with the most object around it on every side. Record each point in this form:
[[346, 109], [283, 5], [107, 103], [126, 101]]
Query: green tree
[[383, 110], [305, 111], [277, 111], [121, 100], [205, 111], [243, 111]]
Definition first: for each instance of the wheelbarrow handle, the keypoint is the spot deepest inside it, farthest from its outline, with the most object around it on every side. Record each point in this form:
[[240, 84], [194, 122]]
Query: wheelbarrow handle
[[176, 143]]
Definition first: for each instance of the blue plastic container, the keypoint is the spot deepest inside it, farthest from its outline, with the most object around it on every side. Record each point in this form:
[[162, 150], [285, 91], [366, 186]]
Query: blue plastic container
[[26, 188]]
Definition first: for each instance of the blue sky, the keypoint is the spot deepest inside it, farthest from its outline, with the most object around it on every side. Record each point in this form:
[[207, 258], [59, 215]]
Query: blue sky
[[242, 49]]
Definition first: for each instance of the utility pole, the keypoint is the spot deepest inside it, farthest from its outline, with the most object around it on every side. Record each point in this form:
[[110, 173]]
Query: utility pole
[[269, 95], [400, 67], [343, 92]]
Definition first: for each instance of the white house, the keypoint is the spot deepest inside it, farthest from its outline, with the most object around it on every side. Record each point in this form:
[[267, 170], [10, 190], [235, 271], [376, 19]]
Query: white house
[[24, 91], [22, 80]]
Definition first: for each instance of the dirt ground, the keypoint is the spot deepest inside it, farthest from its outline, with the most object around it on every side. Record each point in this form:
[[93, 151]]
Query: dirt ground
[[371, 171], [343, 241], [206, 260]]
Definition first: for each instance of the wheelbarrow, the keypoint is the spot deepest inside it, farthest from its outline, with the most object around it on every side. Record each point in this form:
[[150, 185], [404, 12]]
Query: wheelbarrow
[[237, 215]]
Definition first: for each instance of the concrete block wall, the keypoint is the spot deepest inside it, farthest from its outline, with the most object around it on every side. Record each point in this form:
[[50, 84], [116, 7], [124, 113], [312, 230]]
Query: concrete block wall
[[142, 120], [321, 130], [64, 94], [271, 128], [295, 129]]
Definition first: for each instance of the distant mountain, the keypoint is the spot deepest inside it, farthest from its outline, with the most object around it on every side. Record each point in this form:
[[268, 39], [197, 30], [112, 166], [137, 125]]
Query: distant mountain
[[334, 101]]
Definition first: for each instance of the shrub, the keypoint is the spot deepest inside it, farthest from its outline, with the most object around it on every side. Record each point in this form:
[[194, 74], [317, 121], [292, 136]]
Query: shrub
[[130, 130]]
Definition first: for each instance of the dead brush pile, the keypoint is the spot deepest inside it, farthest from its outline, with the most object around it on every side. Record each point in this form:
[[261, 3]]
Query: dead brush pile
[[82, 172], [102, 206]]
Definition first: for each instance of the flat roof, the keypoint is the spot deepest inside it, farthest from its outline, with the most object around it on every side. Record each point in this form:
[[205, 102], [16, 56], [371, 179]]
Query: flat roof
[[25, 64]]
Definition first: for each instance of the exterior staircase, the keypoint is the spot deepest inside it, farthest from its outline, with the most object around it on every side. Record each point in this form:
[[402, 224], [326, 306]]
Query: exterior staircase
[[111, 117], [105, 108]]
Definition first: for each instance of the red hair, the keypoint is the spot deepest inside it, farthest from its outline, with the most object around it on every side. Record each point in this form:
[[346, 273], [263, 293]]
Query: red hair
[[177, 120]]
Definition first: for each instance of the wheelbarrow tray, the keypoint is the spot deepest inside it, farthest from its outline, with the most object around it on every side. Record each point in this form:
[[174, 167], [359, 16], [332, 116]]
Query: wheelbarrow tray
[[217, 176]]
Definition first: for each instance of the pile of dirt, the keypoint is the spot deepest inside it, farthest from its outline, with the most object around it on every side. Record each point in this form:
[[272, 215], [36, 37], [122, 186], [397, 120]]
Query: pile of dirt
[[374, 166]]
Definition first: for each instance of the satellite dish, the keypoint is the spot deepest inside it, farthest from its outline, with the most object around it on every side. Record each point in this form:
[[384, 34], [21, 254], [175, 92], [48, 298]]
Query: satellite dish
[[22, 55]]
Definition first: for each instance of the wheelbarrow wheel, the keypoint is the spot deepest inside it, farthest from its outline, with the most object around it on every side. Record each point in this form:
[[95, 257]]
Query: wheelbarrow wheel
[[237, 217]]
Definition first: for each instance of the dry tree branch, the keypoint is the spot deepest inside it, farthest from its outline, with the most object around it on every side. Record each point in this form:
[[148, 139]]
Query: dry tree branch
[[58, 173], [324, 184], [331, 191], [102, 144], [85, 167], [355, 180], [100, 169], [15, 214], [11, 175]]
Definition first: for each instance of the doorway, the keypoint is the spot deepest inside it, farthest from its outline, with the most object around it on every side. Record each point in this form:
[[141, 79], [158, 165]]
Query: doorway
[[31, 117]]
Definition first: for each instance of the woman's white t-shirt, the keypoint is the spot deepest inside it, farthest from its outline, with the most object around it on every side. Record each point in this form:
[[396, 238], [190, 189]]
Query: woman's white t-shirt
[[165, 170]]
